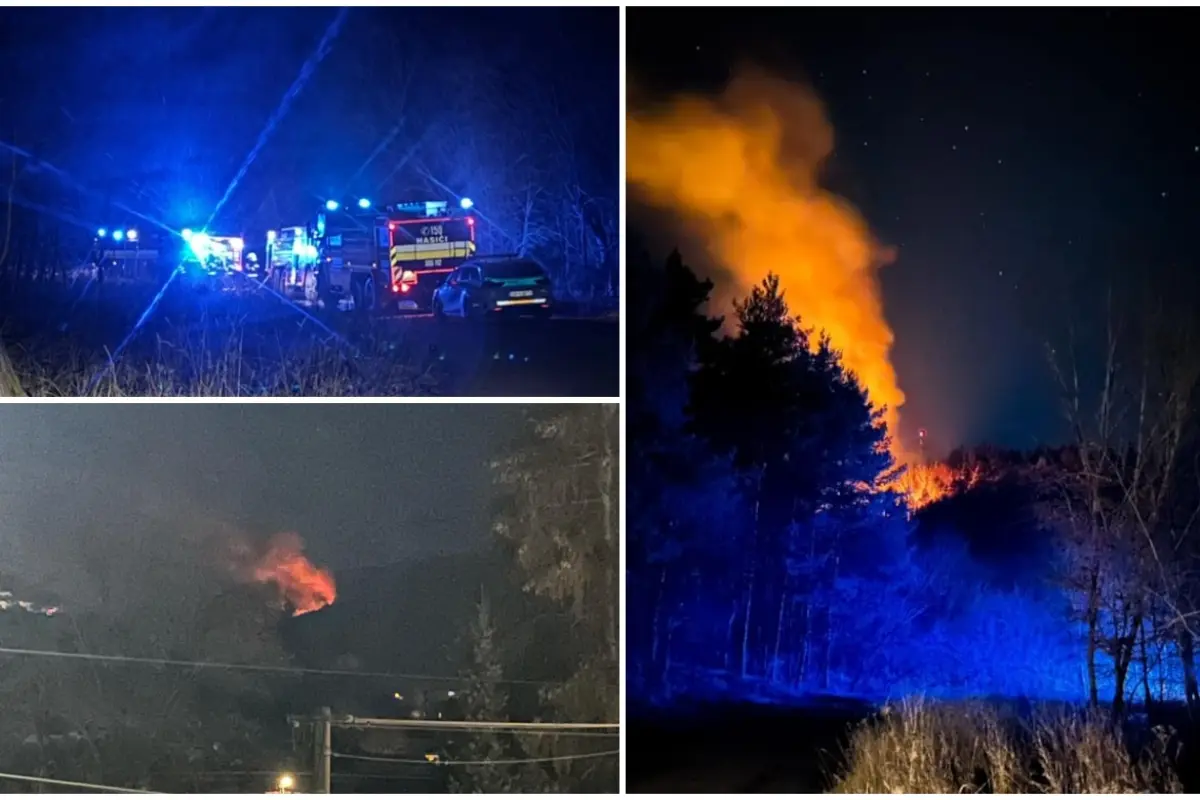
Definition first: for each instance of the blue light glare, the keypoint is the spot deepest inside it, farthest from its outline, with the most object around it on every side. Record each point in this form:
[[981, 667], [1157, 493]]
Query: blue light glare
[[131, 235], [271, 236], [186, 233], [102, 232], [363, 203], [466, 203], [118, 235], [331, 205], [199, 245]]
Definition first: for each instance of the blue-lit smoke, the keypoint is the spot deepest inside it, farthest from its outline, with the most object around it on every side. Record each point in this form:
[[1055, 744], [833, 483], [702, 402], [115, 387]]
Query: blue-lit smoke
[[306, 72]]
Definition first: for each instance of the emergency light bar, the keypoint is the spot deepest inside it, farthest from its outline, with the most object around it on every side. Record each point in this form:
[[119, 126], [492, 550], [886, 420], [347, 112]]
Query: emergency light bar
[[118, 234], [431, 208]]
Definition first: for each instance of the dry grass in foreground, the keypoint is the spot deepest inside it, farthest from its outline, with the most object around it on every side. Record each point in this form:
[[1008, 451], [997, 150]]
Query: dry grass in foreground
[[219, 366], [934, 748]]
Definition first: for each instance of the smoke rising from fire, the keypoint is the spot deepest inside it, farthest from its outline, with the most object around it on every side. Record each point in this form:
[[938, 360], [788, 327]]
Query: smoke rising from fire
[[742, 170], [302, 585]]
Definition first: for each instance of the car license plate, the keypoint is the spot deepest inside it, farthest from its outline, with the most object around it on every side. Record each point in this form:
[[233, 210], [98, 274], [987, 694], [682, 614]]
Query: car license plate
[[525, 293], [406, 305]]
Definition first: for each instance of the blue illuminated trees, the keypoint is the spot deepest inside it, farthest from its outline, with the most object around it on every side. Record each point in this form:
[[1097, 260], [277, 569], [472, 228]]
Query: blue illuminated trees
[[759, 529], [682, 499], [813, 452], [1126, 516]]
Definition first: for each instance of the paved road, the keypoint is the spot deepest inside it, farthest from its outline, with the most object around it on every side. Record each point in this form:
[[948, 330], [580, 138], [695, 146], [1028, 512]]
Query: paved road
[[544, 358]]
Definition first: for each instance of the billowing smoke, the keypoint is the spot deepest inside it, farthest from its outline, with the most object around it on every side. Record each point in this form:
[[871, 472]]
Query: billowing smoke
[[302, 586], [741, 170]]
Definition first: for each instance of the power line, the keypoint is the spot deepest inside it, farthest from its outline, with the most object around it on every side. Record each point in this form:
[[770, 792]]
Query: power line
[[477, 725], [348, 673], [76, 784], [439, 763]]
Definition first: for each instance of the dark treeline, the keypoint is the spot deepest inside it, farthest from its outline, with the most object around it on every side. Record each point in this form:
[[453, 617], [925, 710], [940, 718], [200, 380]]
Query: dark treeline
[[767, 556]]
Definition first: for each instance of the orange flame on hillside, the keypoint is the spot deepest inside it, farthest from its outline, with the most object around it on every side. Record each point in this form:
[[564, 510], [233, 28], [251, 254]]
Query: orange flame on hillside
[[743, 170], [302, 585]]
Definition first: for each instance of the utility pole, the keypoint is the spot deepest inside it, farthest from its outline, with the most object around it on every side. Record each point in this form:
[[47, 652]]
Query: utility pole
[[322, 751], [324, 722]]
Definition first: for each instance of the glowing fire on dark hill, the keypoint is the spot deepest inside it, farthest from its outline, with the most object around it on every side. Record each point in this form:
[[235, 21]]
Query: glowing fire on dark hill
[[303, 586]]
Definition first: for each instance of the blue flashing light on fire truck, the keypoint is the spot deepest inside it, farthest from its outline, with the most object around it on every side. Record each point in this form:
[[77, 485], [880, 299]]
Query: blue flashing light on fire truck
[[123, 253]]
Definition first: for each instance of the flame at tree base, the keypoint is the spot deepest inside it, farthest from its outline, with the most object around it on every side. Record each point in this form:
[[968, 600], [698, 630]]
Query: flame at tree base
[[923, 484]]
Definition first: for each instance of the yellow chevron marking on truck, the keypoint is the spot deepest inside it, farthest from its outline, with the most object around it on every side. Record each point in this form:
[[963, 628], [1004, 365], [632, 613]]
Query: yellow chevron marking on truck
[[402, 253]]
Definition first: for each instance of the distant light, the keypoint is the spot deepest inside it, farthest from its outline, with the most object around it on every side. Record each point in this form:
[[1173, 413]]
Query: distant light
[[331, 205], [286, 782], [271, 236], [102, 232], [362, 203], [186, 233], [131, 235], [471, 221], [466, 202], [450, 693], [237, 243], [118, 235]]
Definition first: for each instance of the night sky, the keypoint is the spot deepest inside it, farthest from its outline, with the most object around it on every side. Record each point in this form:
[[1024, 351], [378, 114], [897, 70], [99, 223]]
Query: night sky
[[364, 485], [159, 108], [1019, 160]]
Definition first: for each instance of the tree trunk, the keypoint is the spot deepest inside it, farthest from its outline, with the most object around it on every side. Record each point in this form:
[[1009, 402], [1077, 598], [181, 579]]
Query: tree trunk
[[729, 637], [751, 575], [656, 635], [1187, 653], [1093, 623], [746, 625], [1122, 659], [830, 634], [607, 481], [1145, 659], [775, 662], [1120, 668]]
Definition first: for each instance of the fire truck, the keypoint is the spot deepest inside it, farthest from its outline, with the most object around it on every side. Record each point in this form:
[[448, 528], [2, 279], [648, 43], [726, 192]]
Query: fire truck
[[392, 257], [215, 260], [291, 262], [124, 254]]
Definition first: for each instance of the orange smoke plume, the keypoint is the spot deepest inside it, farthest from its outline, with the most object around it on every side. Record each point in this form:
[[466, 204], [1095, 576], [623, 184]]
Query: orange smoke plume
[[302, 585], [742, 171]]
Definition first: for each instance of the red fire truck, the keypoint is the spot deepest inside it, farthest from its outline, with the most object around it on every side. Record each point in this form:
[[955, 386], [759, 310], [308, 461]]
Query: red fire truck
[[389, 258]]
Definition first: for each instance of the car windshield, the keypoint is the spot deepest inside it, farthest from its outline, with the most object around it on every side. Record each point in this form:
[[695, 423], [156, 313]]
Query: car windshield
[[506, 270]]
